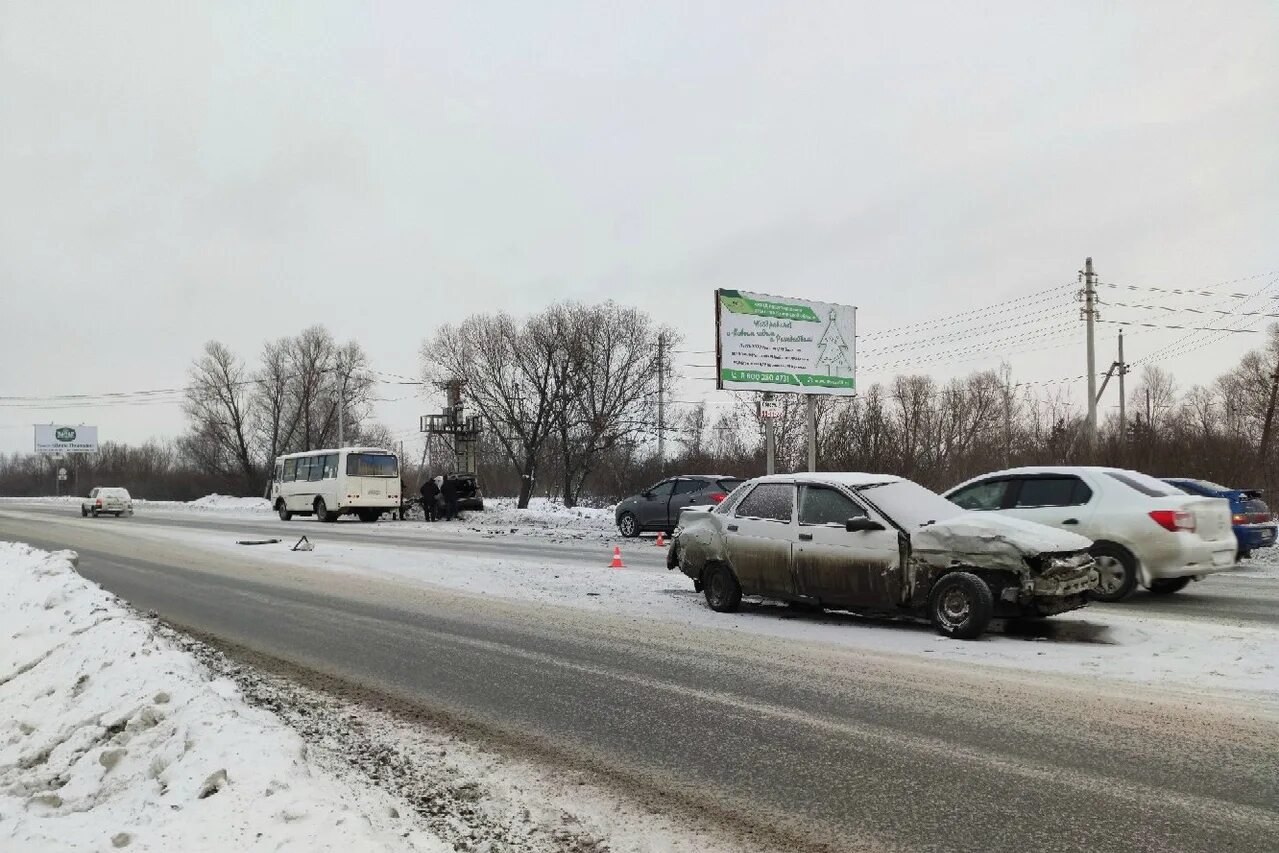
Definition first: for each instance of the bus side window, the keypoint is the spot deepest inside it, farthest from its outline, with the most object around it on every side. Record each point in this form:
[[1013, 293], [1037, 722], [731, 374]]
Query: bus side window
[[290, 470], [331, 466], [279, 472]]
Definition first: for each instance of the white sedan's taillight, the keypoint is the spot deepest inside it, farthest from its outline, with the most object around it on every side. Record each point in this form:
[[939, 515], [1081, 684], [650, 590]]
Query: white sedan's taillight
[[1173, 520]]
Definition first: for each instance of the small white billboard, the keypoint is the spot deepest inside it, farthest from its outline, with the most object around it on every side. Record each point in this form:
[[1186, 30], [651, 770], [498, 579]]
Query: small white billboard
[[66, 438]]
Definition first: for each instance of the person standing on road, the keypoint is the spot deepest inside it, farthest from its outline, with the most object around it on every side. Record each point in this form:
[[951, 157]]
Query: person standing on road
[[430, 493], [449, 493]]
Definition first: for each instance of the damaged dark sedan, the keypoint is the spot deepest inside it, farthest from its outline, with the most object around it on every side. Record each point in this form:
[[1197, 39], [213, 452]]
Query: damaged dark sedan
[[881, 544]]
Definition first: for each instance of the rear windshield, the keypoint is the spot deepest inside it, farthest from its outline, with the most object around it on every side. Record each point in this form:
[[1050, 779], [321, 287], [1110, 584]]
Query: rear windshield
[[1211, 486], [371, 465], [1148, 486], [727, 484], [909, 504]]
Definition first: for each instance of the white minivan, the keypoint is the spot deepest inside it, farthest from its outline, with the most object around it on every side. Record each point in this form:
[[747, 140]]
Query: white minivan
[[359, 481], [1144, 531]]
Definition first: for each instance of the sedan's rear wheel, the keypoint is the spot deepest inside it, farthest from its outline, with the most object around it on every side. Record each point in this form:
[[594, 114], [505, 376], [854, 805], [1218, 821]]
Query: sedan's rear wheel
[[1116, 573], [723, 593], [1167, 586], [628, 525], [960, 605]]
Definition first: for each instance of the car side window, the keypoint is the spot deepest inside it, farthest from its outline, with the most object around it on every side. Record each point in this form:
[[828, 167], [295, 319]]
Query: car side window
[[683, 487], [824, 505], [771, 501], [988, 494], [1053, 491], [662, 490], [94, 493]]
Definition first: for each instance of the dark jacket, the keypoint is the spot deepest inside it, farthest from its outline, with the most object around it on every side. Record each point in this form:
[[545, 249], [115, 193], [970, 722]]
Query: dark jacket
[[448, 491], [429, 490]]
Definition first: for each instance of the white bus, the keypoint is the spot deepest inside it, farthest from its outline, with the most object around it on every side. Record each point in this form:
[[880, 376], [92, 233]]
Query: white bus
[[361, 481]]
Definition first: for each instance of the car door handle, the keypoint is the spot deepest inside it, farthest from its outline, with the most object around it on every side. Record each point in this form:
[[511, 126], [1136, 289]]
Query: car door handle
[[1071, 521], [807, 537], [732, 528]]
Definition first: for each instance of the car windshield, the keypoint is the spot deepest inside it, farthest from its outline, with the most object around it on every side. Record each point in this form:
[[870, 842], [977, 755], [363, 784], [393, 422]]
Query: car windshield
[[909, 504]]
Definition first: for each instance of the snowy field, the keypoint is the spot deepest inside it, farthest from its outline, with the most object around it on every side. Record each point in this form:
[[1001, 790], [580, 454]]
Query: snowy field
[[111, 737]]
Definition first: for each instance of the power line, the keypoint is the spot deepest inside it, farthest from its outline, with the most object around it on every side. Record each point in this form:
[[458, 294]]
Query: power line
[[1164, 326], [984, 311]]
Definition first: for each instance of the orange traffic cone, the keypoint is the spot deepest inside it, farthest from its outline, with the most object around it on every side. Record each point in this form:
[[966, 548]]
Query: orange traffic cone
[[617, 558], [661, 539]]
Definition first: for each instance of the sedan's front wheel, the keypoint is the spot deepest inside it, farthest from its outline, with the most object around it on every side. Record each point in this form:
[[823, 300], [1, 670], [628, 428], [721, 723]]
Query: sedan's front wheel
[[723, 593], [960, 605]]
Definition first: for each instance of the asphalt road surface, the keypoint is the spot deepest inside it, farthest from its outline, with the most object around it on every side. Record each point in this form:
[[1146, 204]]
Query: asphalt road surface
[[802, 745]]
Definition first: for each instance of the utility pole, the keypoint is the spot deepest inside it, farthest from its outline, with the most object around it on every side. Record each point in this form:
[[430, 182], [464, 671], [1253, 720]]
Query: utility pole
[[342, 409], [811, 402], [1089, 295], [1123, 369], [1008, 414], [661, 398], [770, 447]]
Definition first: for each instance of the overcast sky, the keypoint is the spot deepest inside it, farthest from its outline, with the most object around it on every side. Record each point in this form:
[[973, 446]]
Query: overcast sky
[[175, 172]]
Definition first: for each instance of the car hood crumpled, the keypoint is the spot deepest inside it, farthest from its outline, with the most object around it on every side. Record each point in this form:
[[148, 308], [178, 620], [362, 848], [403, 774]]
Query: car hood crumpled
[[991, 540]]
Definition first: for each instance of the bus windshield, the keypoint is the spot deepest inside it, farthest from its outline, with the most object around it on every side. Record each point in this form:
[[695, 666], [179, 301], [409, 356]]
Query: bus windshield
[[371, 465]]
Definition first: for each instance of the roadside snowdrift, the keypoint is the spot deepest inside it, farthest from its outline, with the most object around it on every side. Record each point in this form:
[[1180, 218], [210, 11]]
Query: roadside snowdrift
[[111, 737]]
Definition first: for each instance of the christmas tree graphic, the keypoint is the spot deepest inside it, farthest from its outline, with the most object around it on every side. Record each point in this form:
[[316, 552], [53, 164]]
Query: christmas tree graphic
[[833, 350]]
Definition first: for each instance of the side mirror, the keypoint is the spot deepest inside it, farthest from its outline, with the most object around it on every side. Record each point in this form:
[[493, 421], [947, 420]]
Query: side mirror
[[862, 524]]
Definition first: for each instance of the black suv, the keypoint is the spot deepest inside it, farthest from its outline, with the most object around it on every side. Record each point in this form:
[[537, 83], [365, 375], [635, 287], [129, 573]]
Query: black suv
[[469, 495], [658, 507]]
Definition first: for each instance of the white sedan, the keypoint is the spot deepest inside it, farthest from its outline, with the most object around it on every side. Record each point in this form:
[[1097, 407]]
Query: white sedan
[[1144, 531], [107, 500]]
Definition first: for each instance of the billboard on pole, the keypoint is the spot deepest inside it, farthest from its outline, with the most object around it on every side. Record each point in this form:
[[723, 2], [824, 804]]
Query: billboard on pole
[[66, 438], [773, 343]]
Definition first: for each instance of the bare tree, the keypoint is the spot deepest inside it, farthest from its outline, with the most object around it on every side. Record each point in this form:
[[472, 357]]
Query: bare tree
[[509, 373], [219, 406]]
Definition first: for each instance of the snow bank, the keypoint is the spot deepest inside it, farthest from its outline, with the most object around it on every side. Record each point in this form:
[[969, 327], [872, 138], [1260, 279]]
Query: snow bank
[[227, 503], [112, 737]]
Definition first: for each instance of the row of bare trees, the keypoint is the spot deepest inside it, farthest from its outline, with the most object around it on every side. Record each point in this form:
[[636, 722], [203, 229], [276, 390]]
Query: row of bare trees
[[303, 389], [568, 398], [159, 471], [558, 391]]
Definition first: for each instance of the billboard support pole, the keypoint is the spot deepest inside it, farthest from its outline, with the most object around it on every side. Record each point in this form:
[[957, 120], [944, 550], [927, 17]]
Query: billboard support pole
[[770, 444], [811, 402]]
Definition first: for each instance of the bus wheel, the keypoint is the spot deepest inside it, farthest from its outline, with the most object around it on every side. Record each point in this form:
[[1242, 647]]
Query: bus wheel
[[283, 510], [322, 511]]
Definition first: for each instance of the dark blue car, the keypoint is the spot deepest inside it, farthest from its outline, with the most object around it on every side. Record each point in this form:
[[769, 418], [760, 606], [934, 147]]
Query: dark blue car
[[1253, 523]]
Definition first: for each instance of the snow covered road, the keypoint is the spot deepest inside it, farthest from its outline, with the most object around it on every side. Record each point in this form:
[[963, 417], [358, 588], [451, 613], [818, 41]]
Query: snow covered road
[[808, 733]]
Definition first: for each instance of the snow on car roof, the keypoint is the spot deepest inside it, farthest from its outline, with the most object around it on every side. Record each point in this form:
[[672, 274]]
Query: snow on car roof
[[843, 478]]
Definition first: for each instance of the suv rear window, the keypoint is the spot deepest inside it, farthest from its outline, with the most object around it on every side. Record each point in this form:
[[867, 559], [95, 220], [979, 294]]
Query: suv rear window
[[1148, 486], [727, 484]]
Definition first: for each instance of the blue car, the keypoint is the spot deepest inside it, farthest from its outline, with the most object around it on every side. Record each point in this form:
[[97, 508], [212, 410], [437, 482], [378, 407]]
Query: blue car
[[1254, 525]]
